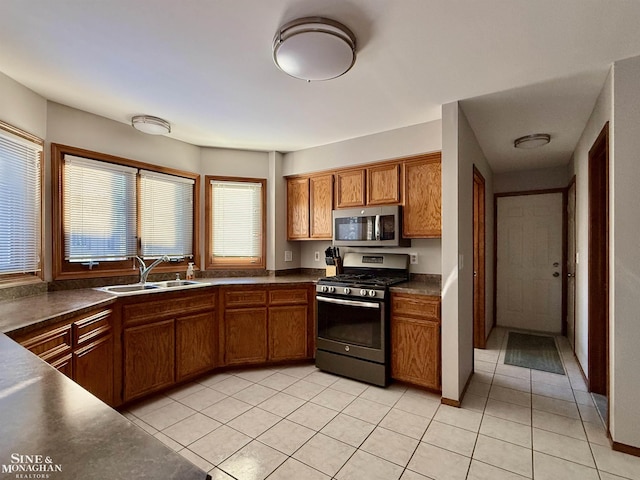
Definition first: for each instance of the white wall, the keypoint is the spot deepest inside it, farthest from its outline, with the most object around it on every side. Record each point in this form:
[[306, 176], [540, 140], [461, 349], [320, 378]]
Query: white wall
[[402, 142], [624, 330], [537, 179], [22, 108], [460, 152], [601, 114]]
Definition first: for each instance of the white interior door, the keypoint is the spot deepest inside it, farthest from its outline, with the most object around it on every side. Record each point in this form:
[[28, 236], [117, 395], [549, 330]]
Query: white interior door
[[571, 264], [529, 262]]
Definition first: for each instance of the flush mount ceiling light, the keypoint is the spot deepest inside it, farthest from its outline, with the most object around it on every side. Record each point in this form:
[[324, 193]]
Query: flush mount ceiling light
[[532, 141], [314, 48], [151, 125]]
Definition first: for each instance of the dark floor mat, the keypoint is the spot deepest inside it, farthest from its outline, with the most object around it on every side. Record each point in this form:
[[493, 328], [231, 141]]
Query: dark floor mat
[[533, 351]]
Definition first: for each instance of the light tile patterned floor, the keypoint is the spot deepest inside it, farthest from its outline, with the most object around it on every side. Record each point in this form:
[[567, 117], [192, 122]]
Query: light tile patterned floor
[[298, 423]]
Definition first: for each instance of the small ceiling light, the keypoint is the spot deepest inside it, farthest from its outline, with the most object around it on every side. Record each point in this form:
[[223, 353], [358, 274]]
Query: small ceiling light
[[532, 141], [314, 48], [151, 125]]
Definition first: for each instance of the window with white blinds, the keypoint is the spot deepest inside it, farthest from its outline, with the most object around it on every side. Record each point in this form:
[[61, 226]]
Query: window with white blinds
[[99, 204], [20, 204], [166, 215], [236, 224]]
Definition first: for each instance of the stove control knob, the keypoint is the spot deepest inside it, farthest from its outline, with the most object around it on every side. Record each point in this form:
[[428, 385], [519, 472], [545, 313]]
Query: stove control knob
[[363, 292], [347, 290], [324, 289], [372, 293], [332, 289]]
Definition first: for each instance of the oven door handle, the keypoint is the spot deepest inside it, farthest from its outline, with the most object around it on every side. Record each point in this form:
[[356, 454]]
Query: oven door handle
[[353, 303]]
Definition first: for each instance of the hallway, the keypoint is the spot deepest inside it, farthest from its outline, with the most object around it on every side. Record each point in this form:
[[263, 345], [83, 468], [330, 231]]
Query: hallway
[[540, 423]]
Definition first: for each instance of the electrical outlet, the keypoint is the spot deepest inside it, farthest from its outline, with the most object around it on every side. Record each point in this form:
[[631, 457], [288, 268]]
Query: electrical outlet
[[316, 256], [413, 258], [288, 256]]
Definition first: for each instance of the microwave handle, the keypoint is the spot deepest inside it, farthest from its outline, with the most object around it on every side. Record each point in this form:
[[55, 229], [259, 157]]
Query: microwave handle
[[377, 227]]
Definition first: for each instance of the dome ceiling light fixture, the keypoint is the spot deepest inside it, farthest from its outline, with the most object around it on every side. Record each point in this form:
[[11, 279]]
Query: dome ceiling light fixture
[[150, 125], [532, 141], [314, 49]]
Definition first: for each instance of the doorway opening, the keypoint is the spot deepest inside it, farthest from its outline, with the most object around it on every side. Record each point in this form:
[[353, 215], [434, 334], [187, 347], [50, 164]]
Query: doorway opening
[[479, 327], [598, 303]]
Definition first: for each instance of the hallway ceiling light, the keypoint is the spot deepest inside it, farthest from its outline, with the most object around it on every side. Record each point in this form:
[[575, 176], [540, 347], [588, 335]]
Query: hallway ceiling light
[[532, 141], [314, 48], [150, 125]]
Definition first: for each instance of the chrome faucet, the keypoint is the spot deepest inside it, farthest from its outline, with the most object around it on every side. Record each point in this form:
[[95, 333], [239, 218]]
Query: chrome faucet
[[144, 270]]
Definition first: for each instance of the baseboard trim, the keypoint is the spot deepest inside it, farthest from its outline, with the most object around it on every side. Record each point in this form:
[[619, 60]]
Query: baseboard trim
[[450, 402], [624, 448]]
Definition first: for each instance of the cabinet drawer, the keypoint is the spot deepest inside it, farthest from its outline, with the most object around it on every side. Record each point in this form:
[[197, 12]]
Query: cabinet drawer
[[415, 306], [288, 296], [50, 344], [245, 298], [91, 327], [166, 308]]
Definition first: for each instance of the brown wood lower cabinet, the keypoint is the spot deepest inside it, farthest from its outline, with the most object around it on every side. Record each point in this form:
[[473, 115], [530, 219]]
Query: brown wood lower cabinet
[[93, 367], [149, 358], [415, 339], [245, 335], [196, 341], [81, 347], [288, 332], [261, 325]]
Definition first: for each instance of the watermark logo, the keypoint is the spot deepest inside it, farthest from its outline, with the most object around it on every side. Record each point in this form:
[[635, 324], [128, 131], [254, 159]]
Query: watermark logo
[[31, 466]]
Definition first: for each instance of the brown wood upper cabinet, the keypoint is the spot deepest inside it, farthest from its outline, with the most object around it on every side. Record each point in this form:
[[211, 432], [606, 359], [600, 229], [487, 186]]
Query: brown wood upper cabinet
[[422, 210], [309, 206], [383, 184], [350, 188]]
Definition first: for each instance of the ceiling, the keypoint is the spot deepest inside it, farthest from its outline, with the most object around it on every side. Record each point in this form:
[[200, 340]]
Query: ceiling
[[206, 67]]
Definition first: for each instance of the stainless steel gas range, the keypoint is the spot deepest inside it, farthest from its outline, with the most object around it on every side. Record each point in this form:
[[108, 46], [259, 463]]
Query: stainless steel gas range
[[353, 316]]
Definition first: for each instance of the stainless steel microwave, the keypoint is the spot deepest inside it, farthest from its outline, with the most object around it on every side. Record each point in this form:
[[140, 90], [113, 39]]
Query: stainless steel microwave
[[369, 227]]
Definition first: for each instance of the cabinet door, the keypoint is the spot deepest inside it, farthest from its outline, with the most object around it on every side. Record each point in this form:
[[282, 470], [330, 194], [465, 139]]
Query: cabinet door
[[93, 368], [383, 184], [245, 335], [297, 208], [422, 198], [195, 344], [64, 365], [321, 205], [288, 332], [149, 358], [415, 351], [350, 188]]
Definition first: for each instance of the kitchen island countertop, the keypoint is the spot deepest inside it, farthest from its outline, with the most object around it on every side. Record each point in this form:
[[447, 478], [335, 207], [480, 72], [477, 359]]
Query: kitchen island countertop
[[42, 412]]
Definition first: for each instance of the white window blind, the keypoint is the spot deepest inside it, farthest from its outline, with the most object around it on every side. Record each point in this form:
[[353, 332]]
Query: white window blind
[[20, 205], [99, 203], [166, 215], [236, 220]]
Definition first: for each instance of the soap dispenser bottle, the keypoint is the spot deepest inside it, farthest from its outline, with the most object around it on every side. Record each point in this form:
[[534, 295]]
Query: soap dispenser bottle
[[190, 272]]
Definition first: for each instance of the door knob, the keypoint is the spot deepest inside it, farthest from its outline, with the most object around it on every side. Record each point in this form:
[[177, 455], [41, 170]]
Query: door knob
[[556, 274], [570, 275]]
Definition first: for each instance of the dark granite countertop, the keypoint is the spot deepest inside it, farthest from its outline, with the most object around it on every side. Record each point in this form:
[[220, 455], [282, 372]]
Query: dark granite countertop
[[429, 286], [42, 412], [28, 313]]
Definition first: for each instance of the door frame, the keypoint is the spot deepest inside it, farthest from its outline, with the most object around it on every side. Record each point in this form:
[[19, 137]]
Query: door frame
[[479, 263], [563, 262], [565, 325], [598, 265]]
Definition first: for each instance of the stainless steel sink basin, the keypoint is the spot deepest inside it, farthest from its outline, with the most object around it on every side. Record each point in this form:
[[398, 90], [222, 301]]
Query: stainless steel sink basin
[[175, 283], [129, 288], [141, 288]]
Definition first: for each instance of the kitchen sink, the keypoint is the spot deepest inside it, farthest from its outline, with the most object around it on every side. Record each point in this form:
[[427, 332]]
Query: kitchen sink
[[141, 288], [129, 288]]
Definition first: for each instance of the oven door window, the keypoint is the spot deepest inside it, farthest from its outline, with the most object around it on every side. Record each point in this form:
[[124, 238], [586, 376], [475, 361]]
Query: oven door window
[[350, 322]]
